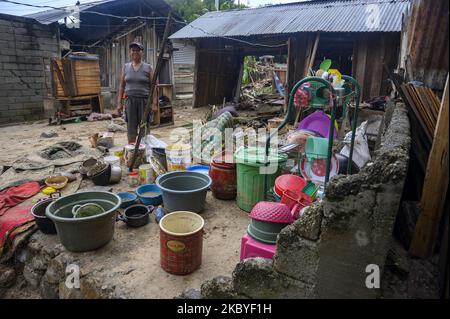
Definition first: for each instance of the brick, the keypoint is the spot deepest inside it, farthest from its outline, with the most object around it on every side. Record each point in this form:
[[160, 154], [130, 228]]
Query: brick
[[7, 36], [15, 106], [6, 29], [5, 22], [7, 51], [23, 38], [22, 31]]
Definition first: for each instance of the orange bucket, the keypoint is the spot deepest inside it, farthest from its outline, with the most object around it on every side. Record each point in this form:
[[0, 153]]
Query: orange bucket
[[181, 242]]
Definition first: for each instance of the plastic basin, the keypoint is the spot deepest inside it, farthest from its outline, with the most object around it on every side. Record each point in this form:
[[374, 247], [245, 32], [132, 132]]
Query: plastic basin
[[86, 233], [265, 232], [184, 190], [155, 199], [127, 199]]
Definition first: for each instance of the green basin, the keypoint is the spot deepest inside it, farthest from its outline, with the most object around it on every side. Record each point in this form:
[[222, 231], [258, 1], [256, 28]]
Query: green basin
[[85, 233], [265, 232]]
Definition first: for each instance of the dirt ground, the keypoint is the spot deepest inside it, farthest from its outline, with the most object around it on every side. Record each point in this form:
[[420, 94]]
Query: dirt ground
[[130, 262]]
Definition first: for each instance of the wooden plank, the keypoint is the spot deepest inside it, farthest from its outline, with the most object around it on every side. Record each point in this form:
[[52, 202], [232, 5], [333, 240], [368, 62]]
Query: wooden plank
[[421, 109], [60, 76], [434, 187], [410, 103]]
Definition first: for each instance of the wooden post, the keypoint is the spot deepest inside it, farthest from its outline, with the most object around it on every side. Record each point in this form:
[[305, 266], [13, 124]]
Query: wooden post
[[434, 187], [313, 54]]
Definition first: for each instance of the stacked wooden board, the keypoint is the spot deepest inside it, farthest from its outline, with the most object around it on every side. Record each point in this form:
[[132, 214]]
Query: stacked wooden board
[[76, 76], [425, 105]]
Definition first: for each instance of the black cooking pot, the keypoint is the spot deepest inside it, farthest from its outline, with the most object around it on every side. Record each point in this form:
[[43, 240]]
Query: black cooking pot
[[136, 215], [45, 224]]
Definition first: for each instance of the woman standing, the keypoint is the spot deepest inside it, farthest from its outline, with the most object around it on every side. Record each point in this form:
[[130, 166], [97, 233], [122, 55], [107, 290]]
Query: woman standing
[[135, 82]]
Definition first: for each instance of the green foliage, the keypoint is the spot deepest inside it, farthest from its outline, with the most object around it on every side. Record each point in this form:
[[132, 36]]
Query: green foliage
[[190, 10], [249, 69]]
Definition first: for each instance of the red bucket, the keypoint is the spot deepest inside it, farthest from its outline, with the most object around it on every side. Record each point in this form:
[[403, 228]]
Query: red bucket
[[181, 242]]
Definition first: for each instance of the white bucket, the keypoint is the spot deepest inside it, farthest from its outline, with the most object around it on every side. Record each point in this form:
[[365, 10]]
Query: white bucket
[[178, 157]]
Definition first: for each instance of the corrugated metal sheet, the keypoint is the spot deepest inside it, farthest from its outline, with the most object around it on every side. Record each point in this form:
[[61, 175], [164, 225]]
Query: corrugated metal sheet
[[54, 15], [311, 16], [185, 53]]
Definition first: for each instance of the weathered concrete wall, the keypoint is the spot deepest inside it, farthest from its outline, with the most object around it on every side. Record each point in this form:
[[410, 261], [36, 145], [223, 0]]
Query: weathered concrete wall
[[325, 253], [25, 49]]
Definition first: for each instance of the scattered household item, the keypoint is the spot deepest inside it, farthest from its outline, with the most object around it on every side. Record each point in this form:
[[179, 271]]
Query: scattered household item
[[251, 248], [199, 168], [105, 139], [128, 155], [116, 174], [100, 174], [268, 219], [87, 210], [181, 242], [223, 176], [136, 215], [276, 122], [133, 179], [48, 190], [85, 233], [160, 155], [159, 213], [127, 199], [70, 177], [87, 165], [14, 221], [57, 182], [315, 170], [112, 159], [49, 134], [343, 162], [146, 174], [149, 194], [178, 157], [250, 173], [316, 147], [184, 190], [230, 109], [361, 152], [318, 122], [45, 224]]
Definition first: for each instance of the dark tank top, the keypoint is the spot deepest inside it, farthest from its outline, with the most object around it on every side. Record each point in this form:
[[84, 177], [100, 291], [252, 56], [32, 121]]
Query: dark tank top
[[137, 83]]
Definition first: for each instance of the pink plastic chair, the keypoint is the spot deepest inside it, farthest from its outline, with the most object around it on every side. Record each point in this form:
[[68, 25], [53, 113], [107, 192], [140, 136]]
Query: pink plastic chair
[[252, 248]]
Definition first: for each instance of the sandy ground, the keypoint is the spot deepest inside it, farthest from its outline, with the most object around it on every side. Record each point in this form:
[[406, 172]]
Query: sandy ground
[[131, 261]]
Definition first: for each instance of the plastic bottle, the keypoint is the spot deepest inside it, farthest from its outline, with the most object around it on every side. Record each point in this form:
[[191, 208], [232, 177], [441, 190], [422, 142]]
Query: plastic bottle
[[159, 213]]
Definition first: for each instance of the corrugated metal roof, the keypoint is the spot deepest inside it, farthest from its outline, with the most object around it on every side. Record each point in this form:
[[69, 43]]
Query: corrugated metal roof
[[310, 16], [54, 15]]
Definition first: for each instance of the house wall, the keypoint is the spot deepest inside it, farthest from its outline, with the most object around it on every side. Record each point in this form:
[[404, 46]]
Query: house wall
[[425, 43], [217, 67], [25, 81]]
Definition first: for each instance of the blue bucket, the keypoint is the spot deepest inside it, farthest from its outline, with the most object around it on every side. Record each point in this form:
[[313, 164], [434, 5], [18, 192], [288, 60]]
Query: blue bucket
[[154, 199]]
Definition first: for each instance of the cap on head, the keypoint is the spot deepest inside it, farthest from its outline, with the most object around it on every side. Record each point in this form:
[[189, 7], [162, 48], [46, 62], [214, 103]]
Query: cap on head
[[137, 45]]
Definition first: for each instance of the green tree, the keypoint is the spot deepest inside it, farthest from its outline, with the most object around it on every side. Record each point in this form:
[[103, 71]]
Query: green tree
[[189, 10]]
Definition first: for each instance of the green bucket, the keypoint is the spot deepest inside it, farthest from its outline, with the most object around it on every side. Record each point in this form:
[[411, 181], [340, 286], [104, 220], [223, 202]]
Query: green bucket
[[250, 180]]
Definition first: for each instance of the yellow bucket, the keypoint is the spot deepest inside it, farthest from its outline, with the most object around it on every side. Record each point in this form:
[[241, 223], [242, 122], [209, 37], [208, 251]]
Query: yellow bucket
[[178, 157]]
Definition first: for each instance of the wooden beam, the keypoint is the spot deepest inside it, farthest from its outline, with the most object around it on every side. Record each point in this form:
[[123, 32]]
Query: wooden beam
[[314, 51], [434, 187]]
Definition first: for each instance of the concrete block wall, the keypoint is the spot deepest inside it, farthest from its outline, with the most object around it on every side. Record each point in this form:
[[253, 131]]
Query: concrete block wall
[[25, 80], [325, 253]]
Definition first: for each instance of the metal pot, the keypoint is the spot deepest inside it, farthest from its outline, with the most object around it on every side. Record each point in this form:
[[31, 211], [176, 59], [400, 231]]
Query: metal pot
[[116, 174], [87, 165]]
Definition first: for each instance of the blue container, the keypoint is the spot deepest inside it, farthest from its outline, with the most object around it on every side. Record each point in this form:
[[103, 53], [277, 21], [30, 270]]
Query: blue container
[[200, 169], [127, 199], [149, 200]]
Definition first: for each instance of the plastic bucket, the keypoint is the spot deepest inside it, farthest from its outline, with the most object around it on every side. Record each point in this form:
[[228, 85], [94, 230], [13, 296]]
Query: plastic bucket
[[178, 157], [250, 181], [181, 242], [146, 174]]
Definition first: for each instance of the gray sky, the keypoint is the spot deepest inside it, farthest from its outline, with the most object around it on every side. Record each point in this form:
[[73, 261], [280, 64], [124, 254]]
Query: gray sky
[[19, 10]]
